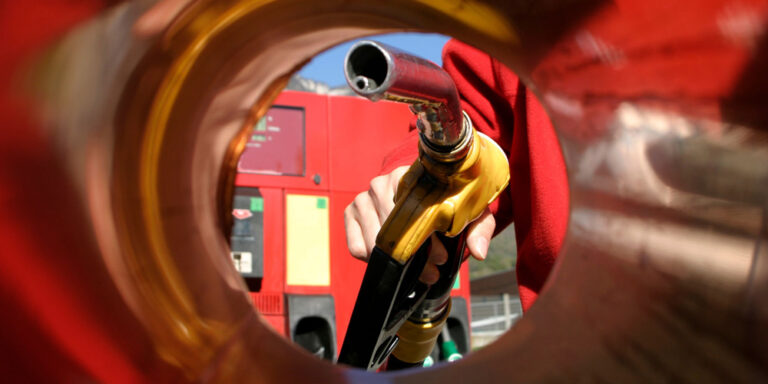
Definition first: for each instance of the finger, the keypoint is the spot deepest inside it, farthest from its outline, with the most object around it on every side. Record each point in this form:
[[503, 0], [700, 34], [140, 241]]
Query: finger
[[355, 240], [480, 233], [365, 214], [382, 190], [430, 274], [438, 255], [381, 195], [396, 175], [157, 18]]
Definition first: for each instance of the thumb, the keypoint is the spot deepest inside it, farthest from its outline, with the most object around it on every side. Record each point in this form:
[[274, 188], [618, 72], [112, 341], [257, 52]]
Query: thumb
[[480, 233]]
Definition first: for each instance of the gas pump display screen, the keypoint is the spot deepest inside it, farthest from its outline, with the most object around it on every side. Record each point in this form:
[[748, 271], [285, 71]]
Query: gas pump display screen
[[276, 144]]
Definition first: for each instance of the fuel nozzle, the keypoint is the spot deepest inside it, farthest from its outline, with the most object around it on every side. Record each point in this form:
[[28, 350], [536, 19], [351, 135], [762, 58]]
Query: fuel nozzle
[[377, 71], [458, 173]]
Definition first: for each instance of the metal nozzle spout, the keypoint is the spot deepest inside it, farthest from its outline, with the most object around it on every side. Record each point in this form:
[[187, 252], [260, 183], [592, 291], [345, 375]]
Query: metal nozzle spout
[[377, 71]]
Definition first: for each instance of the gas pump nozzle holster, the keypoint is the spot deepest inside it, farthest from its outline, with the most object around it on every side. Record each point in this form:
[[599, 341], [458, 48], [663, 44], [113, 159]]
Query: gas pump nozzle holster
[[458, 174]]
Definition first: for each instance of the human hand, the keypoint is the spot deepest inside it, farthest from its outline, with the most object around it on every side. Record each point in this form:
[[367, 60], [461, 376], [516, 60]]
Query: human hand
[[365, 215]]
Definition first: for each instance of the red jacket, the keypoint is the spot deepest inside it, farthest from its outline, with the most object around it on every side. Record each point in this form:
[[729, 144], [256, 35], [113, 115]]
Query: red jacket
[[537, 198]]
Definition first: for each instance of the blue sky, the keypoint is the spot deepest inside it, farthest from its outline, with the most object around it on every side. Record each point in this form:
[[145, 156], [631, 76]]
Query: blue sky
[[328, 66]]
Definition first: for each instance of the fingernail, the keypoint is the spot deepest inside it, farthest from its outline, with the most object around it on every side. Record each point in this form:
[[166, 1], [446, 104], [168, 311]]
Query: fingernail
[[481, 248]]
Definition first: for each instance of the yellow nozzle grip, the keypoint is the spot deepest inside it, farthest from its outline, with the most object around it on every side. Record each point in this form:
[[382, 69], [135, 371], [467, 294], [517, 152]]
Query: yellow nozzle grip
[[435, 196]]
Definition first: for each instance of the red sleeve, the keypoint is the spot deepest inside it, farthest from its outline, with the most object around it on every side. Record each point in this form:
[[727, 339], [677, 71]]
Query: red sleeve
[[404, 154], [537, 199]]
